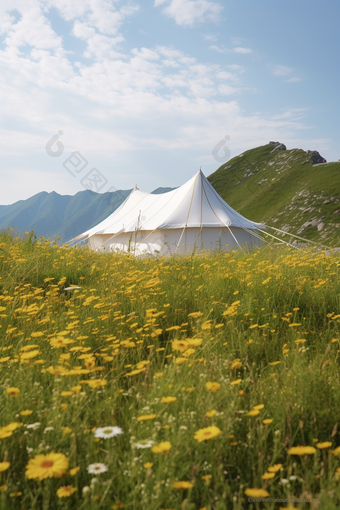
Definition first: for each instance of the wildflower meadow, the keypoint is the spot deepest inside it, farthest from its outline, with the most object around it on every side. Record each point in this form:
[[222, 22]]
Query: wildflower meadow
[[205, 382]]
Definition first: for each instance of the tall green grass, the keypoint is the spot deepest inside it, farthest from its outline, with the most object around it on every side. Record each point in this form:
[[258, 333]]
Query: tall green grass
[[267, 320]]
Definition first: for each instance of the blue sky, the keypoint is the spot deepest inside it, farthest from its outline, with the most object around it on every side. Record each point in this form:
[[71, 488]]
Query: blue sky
[[144, 91]]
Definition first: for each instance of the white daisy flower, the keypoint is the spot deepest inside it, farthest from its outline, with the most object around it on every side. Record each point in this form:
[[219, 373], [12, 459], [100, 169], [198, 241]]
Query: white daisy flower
[[33, 425], [107, 432], [96, 468], [147, 443]]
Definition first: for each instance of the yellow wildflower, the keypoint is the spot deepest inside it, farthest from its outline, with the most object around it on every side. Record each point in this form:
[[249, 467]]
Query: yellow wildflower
[[326, 444], [179, 361], [96, 383], [182, 485], [301, 450], [4, 466], [12, 392], [180, 345], [234, 383], [256, 493], [336, 451], [66, 393], [65, 491], [47, 466], [168, 400], [212, 386], [146, 417], [162, 447], [253, 412], [207, 433], [275, 468], [267, 476], [236, 364]]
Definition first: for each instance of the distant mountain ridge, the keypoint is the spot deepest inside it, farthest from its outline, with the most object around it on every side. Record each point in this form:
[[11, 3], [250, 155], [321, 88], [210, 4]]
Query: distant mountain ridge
[[64, 216]]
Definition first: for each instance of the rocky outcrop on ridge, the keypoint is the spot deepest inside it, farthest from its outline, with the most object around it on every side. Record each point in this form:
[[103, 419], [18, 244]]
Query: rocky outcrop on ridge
[[316, 158], [278, 146]]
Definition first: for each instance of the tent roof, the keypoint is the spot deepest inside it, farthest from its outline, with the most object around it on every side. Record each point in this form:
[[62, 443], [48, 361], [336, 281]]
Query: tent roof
[[195, 204]]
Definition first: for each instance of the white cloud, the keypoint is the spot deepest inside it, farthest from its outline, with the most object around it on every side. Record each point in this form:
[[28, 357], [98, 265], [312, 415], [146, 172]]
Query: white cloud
[[82, 30], [236, 67], [6, 21], [99, 46], [190, 12], [292, 80], [280, 70], [146, 54], [239, 49], [170, 63], [218, 49], [236, 41], [223, 49], [226, 90], [170, 52], [292, 113], [95, 21], [32, 29], [225, 75], [210, 37], [101, 14]]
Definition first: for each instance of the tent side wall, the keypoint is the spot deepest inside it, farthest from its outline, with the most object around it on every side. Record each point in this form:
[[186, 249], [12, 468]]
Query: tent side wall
[[165, 242], [137, 243], [209, 238]]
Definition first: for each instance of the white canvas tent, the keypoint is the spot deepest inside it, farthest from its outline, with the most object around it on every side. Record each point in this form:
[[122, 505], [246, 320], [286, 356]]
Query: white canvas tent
[[191, 217]]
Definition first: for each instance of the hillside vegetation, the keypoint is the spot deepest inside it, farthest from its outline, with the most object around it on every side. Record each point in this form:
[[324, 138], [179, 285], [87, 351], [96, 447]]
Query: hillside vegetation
[[206, 382], [284, 189]]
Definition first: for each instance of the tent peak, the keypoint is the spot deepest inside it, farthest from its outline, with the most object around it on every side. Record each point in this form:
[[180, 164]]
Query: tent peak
[[199, 173]]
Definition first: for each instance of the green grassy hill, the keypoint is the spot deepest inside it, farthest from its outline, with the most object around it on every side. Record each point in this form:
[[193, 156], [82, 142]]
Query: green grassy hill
[[283, 189]]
